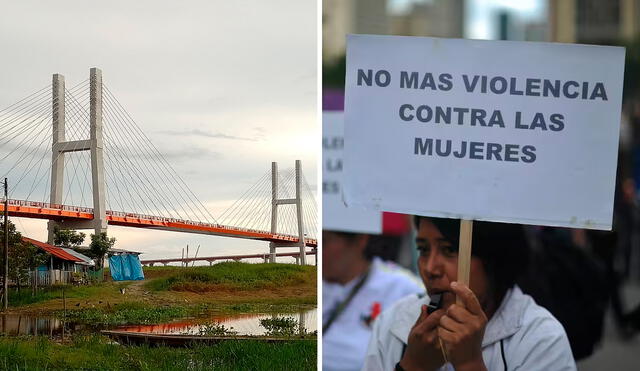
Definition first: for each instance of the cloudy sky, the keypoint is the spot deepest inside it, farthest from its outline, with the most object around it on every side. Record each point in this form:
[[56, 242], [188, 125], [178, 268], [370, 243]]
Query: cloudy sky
[[222, 88], [481, 14]]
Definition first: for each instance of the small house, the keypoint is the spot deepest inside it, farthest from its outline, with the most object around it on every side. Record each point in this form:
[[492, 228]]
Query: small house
[[64, 265]]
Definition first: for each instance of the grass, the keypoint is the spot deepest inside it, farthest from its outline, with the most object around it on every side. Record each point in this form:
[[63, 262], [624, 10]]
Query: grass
[[25, 296], [125, 314], [95, 352], [134, 313], [234, 276]]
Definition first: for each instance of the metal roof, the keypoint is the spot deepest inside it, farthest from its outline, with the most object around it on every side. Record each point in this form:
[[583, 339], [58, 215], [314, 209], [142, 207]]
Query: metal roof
[[85, 259], [53, 250]]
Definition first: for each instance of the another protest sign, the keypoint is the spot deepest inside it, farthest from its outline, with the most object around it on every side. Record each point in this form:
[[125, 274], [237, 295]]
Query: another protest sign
[[335, 215]]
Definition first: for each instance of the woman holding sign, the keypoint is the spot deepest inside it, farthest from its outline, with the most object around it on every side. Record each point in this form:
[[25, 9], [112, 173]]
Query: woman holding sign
[[494, 326]]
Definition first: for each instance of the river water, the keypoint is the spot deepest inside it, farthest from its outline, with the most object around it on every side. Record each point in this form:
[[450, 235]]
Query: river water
[[242, 324]]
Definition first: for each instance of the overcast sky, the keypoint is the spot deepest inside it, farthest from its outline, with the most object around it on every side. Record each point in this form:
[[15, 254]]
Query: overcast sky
[[480, 15], [221, 87]]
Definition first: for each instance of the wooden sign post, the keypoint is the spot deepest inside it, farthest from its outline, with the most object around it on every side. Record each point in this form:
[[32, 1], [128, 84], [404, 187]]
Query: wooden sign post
[[464, 253]]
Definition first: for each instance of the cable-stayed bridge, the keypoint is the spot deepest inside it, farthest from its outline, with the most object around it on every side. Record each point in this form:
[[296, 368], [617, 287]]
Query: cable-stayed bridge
[[76, 157]]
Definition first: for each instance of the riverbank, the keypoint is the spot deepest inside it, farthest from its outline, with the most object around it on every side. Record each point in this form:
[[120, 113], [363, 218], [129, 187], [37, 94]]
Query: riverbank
[[175, 292]]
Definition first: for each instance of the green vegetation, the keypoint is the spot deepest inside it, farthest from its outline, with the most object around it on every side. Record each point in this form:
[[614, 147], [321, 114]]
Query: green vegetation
[[216, 329], [232, 275], [280, 326], [67, 237], [23, 256], [171, 293], [97, 353], [125, 314], [135, 313], [26, 296], [99, 246]]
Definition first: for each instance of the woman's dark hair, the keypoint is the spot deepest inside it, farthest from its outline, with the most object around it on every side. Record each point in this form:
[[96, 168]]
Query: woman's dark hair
[[502, 248]]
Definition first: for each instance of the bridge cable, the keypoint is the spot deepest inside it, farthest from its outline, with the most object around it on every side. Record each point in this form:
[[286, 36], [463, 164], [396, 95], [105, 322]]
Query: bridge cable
[[46, 89], [163, 160], [137, 154], [254, 201], [108, 160], [313, 207], [27, 137], [229, 215], [227, 212], [243, 207], [117, 121], [78, 125], [26, 110], [25, 123], [123, 121], [30, 154]]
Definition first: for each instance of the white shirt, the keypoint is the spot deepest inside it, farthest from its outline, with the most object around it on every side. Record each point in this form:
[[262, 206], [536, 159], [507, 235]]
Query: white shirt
[[345, 343], [533, 339]]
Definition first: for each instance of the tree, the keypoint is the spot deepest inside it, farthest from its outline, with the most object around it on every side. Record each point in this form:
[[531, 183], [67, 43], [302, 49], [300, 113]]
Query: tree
[[99, 246], [23, 256], [67, 238]]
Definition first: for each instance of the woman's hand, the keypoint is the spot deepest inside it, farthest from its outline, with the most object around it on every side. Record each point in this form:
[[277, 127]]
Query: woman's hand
[[423, 349], [462, 329]]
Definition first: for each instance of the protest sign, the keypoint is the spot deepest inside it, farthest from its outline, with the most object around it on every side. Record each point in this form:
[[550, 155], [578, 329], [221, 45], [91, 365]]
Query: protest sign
[[483, 130], [335, 215]]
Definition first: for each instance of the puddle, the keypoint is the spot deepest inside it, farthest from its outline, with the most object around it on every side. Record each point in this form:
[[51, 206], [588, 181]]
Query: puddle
[[243, 324]]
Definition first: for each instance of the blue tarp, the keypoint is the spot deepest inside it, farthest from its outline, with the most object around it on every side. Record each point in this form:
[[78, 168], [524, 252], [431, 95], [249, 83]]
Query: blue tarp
[[136, 267], [125, 267]]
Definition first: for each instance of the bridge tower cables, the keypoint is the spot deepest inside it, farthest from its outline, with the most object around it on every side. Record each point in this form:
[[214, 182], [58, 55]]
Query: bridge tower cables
[[94, 145]]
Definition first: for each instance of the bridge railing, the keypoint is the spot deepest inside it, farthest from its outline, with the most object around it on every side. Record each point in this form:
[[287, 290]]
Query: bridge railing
[[46, 205]]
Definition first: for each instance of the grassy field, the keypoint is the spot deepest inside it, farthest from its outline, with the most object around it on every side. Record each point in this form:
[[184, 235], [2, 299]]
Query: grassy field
[[26, 297], [95, 352], [233, 276]]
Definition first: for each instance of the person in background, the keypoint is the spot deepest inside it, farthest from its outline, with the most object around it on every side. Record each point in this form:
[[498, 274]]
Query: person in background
[[356, 288], [495, 327]]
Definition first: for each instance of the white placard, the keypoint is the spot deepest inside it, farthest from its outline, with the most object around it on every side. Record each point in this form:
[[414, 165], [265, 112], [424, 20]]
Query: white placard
[[335, 215], [484, 130]]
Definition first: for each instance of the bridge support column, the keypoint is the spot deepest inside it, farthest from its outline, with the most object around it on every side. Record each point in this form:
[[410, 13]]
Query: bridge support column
[[272, 252], [274, 209], [57, 157], [303, 255], [97, 145], [94, 144]]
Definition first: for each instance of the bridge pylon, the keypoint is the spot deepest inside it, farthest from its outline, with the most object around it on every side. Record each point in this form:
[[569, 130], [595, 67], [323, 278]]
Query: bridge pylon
[[275, 202], [94, 144]]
